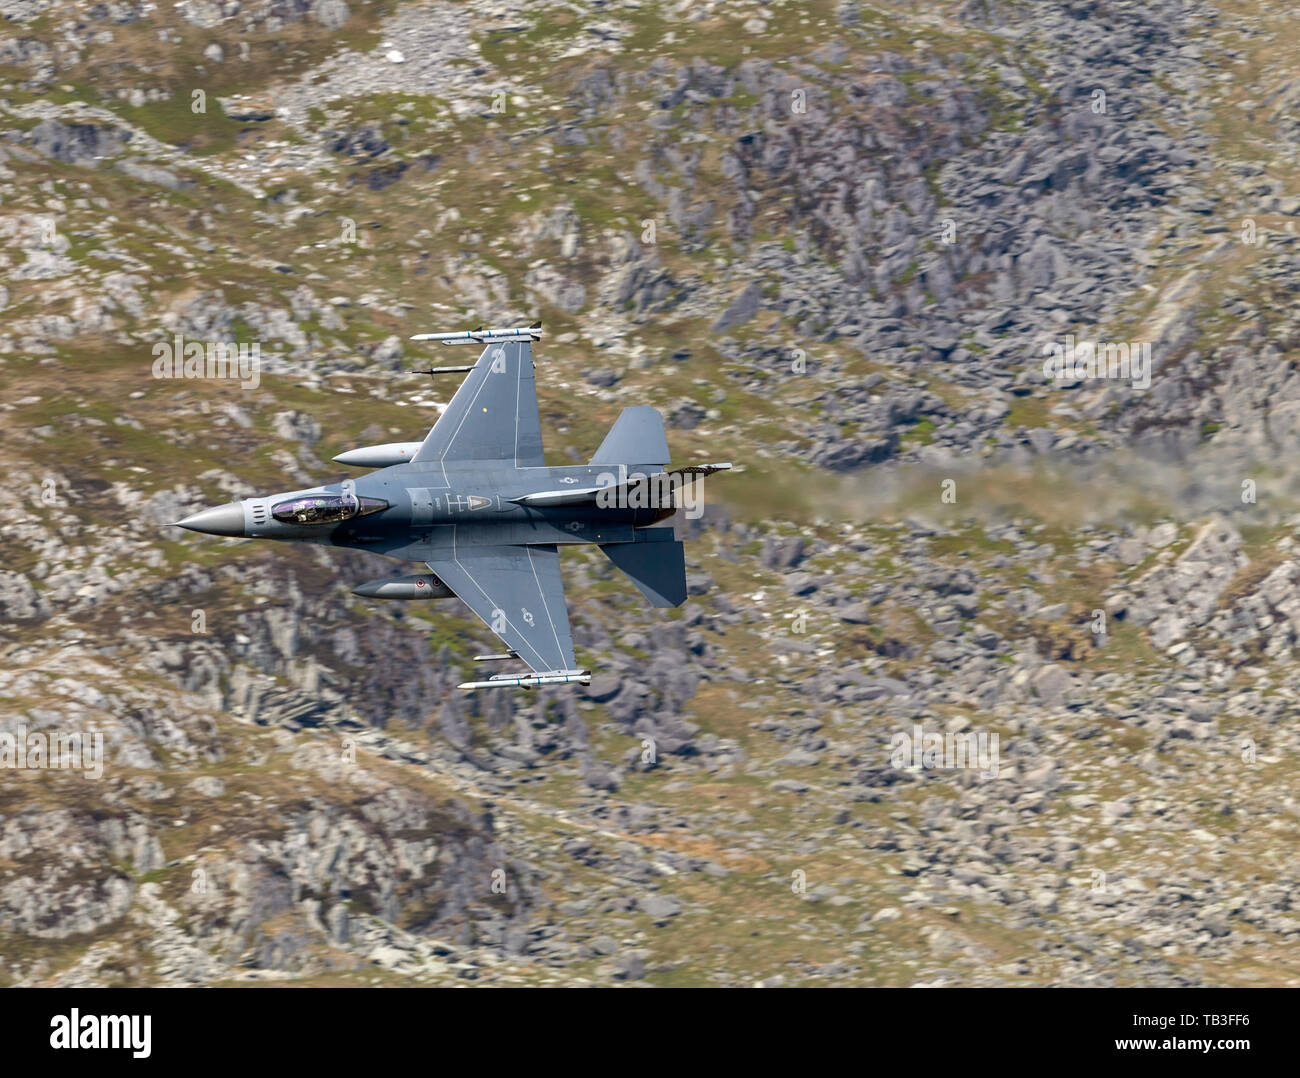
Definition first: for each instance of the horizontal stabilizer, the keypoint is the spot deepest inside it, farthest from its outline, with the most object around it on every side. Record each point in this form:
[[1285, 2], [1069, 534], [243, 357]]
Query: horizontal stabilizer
[[656, 563], [637, 437]]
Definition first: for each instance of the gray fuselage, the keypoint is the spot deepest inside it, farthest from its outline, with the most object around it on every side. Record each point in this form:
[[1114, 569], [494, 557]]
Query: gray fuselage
[[409, 511]]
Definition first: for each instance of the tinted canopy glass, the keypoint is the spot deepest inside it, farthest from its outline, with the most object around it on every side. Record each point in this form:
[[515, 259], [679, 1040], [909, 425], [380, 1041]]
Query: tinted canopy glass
[[325, 508]]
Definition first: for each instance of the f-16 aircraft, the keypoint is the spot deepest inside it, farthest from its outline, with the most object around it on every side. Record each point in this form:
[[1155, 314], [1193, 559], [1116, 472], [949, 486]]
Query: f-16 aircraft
[[477, 504]]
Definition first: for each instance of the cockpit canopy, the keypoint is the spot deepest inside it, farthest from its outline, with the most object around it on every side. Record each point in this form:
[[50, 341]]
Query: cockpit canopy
[[325, 508]]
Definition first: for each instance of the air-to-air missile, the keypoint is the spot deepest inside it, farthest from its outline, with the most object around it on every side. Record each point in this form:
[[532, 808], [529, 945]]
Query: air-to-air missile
[[530, 681]]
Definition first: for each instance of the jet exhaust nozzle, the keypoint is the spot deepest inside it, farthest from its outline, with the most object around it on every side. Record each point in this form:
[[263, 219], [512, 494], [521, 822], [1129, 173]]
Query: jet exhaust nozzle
[[411, 586]]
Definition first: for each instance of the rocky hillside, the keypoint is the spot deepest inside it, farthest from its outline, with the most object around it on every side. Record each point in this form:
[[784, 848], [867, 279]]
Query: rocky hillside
[[833, 242]]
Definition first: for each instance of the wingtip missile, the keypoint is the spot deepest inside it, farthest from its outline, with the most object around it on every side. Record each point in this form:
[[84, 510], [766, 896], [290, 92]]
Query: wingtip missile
[[480, 335], [530, 681]]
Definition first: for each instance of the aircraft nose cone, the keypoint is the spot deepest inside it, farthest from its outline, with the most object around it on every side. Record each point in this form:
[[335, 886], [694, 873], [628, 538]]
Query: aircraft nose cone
[[225, 519]]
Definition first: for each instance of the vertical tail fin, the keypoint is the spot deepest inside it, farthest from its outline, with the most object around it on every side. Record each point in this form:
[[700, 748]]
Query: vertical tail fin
[[637, 437]]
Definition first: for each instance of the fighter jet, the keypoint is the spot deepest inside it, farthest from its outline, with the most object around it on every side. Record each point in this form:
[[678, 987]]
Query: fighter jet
[[476, 503]]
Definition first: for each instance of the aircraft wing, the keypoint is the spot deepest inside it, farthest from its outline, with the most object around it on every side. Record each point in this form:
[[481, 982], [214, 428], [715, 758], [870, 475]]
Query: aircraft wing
[[518, 593], [493, 415]]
